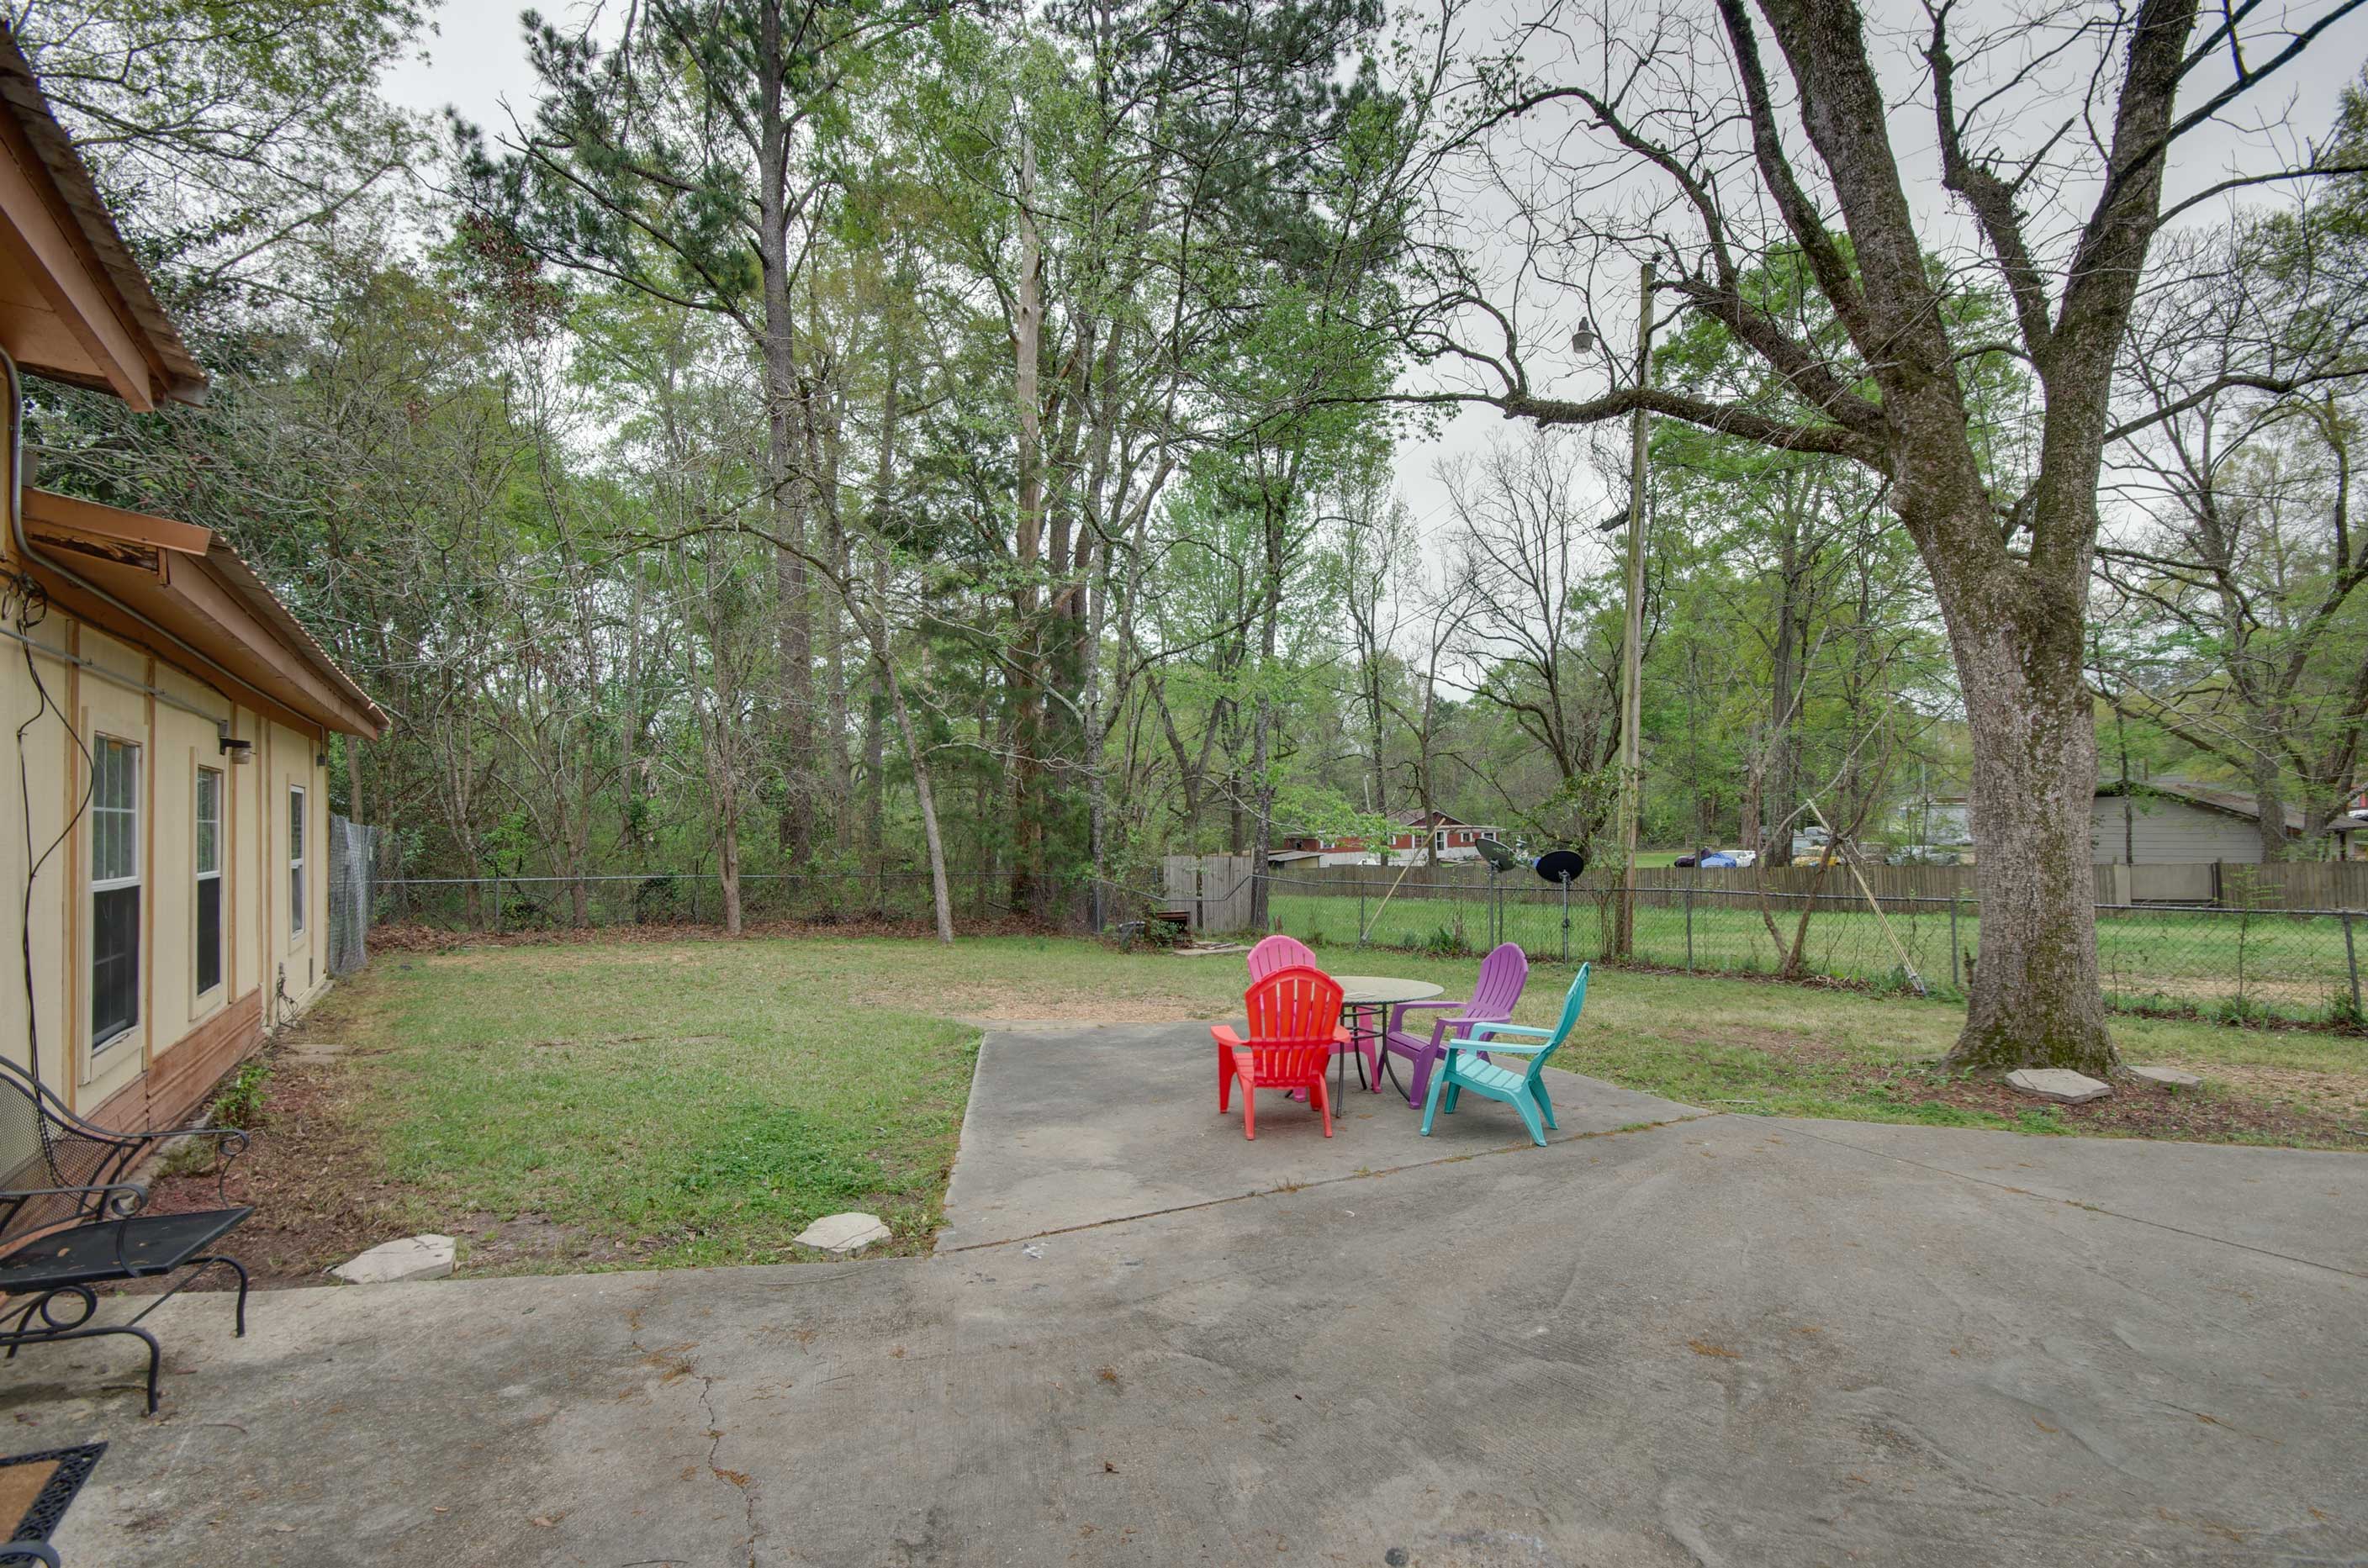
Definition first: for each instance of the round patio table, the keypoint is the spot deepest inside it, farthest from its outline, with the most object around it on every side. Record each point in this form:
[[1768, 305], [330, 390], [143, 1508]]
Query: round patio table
[[1367, 1000]]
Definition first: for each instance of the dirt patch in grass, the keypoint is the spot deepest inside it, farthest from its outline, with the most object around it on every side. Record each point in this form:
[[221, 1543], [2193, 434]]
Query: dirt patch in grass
[[1024, 1004], [2235, 1105], [310, 1175], [2136, 1108], [2342, 1095]]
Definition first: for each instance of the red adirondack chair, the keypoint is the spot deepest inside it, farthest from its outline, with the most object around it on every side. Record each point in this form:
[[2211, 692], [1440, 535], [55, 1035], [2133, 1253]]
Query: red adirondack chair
[[1294, 1023]]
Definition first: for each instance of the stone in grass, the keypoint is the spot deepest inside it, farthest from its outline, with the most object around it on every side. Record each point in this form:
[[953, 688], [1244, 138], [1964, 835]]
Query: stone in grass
[[2059, 1083], [412, 1257], [844, 1232], [2169, 1077]]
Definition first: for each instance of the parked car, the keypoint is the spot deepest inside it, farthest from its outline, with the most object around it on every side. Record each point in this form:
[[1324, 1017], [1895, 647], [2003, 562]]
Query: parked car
[[1714, 860], [1717, 862], [1923, 855]]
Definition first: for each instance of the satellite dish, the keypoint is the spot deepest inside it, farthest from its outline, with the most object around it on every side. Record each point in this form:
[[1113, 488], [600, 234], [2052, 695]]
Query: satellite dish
[[1562, 864], [1499, 858]]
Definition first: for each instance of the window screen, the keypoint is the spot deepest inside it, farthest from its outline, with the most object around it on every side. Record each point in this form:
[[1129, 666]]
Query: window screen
[[210, 880], [295, 862], [114, 890]]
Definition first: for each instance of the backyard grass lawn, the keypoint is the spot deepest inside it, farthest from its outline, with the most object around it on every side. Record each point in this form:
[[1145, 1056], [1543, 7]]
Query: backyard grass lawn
[[637, 1104]]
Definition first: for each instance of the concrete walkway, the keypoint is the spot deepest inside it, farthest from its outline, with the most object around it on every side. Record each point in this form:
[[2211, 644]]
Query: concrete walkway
[[1717, 1340]]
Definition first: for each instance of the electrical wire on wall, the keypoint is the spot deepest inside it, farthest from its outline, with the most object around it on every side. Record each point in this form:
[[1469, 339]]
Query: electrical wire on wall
[[24, 604]]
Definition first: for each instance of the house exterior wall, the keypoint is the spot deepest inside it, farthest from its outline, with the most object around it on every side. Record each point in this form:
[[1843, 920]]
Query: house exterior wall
[[2164, 832], [159, 1070]]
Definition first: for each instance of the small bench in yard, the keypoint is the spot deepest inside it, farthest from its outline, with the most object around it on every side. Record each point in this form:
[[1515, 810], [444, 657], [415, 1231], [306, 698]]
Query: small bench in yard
[[71, 1220]]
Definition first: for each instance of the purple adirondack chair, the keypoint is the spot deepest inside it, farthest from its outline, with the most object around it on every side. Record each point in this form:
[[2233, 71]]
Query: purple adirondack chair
[[1502, 974]]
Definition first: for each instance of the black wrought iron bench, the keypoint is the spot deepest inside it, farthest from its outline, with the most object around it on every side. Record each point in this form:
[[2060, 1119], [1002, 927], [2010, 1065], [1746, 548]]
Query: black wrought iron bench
[[71, 1220]]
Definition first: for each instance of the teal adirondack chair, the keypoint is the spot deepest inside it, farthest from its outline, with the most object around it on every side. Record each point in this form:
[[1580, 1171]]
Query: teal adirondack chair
[[1524, 1088]]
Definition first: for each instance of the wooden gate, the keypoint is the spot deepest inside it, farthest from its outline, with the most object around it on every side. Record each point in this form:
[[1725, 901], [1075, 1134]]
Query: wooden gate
[[1214, 890]]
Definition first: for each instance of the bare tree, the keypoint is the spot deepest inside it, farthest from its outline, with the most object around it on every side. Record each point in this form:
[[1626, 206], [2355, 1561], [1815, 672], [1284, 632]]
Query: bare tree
[[2053, 131], [2240, 560]]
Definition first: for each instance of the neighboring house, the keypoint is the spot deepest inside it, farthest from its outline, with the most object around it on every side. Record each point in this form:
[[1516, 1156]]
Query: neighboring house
[[1447, 837], [176, 716], [1935, 819], [2169, 821]]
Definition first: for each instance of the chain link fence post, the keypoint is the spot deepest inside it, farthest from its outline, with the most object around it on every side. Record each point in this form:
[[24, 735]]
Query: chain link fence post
[[1954, 984], [2352, 962]]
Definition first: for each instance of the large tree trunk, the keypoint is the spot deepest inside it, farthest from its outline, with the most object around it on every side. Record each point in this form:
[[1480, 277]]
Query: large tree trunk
[[2269, 795], [1027, 698], [788, 485], [2034, 997]]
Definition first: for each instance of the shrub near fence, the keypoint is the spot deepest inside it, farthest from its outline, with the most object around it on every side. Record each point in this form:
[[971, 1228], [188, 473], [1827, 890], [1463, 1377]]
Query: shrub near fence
[[2246, 962]]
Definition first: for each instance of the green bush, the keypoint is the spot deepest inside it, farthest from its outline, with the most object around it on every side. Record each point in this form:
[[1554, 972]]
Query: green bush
[[241, 1102]]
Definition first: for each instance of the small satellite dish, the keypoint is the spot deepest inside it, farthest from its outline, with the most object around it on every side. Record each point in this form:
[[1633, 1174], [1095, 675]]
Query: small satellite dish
[[1501, 857], [1562, 864]]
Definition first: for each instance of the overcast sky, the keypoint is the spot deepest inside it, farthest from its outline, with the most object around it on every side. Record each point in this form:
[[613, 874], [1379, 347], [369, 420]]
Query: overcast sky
[[476, 62]]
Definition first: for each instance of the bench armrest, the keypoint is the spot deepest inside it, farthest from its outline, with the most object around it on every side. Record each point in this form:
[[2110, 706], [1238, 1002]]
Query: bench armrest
[[129, 1196]]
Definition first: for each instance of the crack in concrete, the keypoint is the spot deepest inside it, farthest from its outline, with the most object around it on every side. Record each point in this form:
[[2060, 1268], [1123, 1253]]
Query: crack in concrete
[[745, 1483], [1287, 1187], [740, 1480]]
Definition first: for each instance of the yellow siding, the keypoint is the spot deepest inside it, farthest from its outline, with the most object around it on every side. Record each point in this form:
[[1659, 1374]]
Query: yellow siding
[[261, 950]]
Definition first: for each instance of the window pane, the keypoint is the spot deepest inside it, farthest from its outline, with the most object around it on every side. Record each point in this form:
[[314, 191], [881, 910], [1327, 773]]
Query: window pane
[[115, 963], [295, 898], [295, 825], [209, 820], [114, 811], [209, 946]]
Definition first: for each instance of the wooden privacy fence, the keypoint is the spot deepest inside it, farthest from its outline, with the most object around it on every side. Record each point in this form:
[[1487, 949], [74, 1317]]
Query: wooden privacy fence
[[1214, 891]]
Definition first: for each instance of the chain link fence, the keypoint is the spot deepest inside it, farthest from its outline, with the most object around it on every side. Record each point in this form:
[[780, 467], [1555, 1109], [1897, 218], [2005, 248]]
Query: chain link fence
[[353, 861], [697, 898], [2241, 965]]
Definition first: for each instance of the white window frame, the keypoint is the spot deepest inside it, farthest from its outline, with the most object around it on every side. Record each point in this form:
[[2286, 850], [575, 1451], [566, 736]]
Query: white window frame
[[105, 822], [209, 874], [298, 844]]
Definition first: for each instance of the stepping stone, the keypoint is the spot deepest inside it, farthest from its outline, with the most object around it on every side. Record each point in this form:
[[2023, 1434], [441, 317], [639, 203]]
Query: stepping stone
[[2169, 1077], [412, 1257], [850, 1231], [2059, 1083]]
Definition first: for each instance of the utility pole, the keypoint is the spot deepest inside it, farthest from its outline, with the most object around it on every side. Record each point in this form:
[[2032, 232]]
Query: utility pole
[[1632, 642]]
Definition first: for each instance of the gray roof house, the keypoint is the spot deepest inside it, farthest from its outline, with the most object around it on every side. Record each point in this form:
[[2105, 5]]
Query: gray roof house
[[2170, 822]]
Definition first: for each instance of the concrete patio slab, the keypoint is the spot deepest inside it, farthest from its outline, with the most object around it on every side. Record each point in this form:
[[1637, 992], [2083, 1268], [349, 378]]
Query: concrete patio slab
[[1073, 1125], [2300, 1203], [1720, 1341]]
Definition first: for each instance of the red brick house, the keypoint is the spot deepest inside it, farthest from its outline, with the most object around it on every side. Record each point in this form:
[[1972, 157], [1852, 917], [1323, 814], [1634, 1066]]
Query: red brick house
[[1447, 838]]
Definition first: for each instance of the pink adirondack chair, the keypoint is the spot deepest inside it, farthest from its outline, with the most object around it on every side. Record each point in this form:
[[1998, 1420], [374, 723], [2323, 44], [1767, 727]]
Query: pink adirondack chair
[[1502, 974], [1279, 951]]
